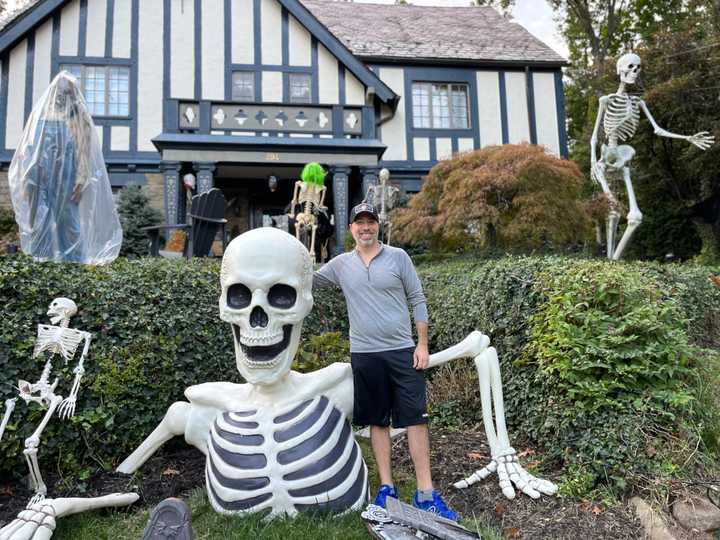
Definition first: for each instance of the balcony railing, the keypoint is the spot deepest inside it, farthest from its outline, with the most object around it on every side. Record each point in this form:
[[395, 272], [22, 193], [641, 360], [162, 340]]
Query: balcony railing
[[232, 118]]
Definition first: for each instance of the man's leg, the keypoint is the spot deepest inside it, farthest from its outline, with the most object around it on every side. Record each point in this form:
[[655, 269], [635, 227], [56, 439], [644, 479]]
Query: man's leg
[[419, 442], [380, 440]]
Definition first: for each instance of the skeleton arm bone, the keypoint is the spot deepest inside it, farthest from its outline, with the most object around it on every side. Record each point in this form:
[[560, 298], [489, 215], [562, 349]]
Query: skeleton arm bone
[[594, 166], [9, 406], [703, 140], [296, 193], [67, 408], [323, 192]]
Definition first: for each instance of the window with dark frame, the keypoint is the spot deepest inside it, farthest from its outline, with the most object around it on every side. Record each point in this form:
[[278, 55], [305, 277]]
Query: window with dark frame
[[243, 86], [440, 105], [106, 88], [300, 88]]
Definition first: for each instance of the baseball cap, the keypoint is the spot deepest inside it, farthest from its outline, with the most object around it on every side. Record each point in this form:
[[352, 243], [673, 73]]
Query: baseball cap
[[363, 208]]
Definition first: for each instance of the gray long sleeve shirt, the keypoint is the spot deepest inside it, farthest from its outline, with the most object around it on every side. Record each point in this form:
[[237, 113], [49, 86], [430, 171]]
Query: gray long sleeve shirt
[[377, 297]]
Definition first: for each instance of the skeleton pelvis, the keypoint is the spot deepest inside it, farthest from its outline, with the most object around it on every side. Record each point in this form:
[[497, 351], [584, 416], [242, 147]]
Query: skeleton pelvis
[[617, 157]]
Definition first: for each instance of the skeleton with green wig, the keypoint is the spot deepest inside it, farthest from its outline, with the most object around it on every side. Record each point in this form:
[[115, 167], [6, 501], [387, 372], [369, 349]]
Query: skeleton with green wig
[[310, 193]]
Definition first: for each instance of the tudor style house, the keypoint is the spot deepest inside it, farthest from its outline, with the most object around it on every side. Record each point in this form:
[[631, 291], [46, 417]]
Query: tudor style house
[[238, 91]]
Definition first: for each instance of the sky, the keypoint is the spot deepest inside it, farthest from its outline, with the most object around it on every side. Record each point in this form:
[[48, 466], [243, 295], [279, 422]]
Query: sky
[[535, 15]]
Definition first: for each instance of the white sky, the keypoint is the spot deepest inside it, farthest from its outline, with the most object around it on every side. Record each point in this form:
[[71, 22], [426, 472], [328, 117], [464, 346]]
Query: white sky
[[535, 15]]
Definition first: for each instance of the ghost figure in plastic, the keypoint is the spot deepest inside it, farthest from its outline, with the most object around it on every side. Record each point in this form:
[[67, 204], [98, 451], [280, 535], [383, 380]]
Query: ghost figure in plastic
[[59, 186], [282, 443]]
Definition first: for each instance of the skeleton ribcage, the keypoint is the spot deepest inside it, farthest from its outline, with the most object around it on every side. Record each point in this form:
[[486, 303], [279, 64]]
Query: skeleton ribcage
[[57, 339], [621, 116], [302, 459]]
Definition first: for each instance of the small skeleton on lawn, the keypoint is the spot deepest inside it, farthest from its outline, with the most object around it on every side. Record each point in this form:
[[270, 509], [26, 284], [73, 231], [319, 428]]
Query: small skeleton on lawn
[[383, 196], [619, 115], [310, 193], [282, 442], [55, 339]]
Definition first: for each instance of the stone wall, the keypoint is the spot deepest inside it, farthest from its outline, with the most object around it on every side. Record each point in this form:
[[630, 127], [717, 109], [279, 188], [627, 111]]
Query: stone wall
[[155, 190], [5, 202]]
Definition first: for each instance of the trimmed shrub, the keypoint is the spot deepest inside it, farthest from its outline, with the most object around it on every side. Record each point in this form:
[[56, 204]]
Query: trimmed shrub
[[611, 367]]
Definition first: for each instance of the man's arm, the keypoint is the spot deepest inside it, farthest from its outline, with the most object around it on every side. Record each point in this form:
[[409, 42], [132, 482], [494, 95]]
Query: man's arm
[[325, 276], [416, 298], [421, 357]]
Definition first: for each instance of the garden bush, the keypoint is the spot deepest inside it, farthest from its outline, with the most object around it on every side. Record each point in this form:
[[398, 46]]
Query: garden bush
[[611, 368], [135, 212]]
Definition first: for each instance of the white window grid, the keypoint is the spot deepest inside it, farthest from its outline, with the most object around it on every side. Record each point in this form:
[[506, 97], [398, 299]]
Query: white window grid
[[440, 106], [300, 88], [106, 88], [243, 86]]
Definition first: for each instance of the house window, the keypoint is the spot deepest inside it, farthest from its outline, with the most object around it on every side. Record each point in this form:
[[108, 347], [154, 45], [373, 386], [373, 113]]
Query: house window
[[300, 88], [440, 106], [243, 86], [106, 88]]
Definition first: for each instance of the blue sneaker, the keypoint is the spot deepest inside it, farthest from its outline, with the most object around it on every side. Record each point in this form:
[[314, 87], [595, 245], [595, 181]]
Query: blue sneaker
[[436, 506], [384, 492]]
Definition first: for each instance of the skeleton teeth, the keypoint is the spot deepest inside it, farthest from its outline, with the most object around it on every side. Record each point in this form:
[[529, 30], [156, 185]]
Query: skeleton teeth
[[261, 340]]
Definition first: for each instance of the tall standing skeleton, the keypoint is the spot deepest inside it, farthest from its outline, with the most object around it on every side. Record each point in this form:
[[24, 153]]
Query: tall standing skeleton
[[383, 196], [619, 116], [281, 443], [310, 193], [55, 339]]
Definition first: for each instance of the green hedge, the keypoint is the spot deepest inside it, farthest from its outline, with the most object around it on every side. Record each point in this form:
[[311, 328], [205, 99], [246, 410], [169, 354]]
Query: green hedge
[[602, 362]]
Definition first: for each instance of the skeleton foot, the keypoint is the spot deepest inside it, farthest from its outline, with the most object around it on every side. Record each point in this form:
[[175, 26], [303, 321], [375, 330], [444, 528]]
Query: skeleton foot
[[37, 521], [510, 473]]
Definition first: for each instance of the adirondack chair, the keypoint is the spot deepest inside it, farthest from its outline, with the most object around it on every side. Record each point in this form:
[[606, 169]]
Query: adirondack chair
[[207, 213]]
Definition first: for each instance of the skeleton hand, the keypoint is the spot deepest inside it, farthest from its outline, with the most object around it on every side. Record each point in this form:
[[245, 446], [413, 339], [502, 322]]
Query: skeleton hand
[[67, 408], [510, 472], [597, 172], [702, 140], [37, 521]]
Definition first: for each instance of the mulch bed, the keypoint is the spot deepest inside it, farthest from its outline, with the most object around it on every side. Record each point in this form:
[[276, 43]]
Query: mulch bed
[[177, 469]]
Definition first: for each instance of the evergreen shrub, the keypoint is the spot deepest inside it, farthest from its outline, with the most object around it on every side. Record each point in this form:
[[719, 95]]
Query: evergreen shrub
[[610, 367], [135, 212]]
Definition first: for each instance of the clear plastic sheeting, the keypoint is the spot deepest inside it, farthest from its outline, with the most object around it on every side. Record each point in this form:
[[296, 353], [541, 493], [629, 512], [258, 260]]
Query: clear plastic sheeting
[[59, 184]]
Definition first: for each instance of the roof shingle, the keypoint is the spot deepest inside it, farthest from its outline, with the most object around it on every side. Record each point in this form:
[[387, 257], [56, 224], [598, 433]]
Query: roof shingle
[[404, 31]]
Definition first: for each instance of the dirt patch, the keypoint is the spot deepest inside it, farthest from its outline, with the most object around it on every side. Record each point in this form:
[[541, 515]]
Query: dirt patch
[[176, 470], [455, 455]]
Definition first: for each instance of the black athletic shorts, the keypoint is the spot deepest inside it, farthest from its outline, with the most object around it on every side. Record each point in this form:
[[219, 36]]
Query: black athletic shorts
[[386, 383]]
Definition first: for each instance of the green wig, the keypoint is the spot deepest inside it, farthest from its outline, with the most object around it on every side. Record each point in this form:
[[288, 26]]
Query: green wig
[[313, 173]]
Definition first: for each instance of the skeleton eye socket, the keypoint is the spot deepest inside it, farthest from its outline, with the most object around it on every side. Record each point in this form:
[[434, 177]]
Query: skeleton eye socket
[[282, 296], [238, 296], [630, 66]]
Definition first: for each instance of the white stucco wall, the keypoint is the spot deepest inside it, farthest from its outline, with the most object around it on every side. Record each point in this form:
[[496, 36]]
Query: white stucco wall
[[300, 44], [182, 46], [242, 32], [122, 19], [16, 95], [328, 82], [271, 24], [42, 62], [546, 123], [517, 111], [150, 75], [393, 132], [69, 28], [120, 138], [489, 116], [272, 87], [213, 49], [421, 148], [354, 90], [95, 31]]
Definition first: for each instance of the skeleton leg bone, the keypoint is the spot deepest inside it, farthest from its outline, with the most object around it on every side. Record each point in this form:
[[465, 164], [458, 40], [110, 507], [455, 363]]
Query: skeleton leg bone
[[31, 450], [634, 217], [172, 424], [312, 241], [598, 174], [9, 407]]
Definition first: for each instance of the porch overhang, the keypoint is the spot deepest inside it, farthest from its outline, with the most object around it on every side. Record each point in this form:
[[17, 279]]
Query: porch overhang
[[270, 150]]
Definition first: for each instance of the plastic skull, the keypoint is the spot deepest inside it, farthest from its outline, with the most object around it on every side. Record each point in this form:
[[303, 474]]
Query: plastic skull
[[61, 309], [384, 176], [266, 279], [628, 67]]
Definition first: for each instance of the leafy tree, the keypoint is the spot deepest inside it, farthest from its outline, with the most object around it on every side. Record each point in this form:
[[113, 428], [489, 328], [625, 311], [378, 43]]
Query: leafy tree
[[135, 212], [512, 195]]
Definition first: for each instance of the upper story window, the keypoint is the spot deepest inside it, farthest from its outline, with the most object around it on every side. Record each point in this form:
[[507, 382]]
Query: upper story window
[[300, 88], [243, 86], [440, 106], [106, 88]]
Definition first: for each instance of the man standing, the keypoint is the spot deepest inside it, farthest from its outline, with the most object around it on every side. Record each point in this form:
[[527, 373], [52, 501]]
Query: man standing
[[378, 282]]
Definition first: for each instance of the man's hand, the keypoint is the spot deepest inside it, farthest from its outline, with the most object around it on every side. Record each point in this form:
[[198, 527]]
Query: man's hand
[[421, 357]]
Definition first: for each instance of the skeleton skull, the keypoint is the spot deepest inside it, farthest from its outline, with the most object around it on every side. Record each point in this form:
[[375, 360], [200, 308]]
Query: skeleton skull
[[266, 280], [61, 309], [384, 176], [628, 67]]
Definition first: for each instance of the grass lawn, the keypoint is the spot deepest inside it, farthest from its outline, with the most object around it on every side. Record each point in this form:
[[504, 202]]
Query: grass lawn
[[207, 524]]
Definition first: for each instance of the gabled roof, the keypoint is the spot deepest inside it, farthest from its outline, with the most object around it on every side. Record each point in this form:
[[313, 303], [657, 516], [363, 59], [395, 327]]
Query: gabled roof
[[408, 33], [17, 23]]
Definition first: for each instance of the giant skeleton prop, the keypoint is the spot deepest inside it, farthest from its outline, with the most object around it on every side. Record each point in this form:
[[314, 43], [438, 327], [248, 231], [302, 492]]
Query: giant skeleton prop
[[619, 116], [38, 519], [383, 196], [282, 443]]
